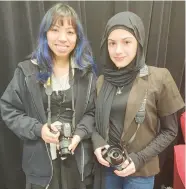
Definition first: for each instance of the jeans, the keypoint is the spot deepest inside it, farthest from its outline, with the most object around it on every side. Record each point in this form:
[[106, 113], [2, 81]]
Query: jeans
[[33, 186], [112, 181]]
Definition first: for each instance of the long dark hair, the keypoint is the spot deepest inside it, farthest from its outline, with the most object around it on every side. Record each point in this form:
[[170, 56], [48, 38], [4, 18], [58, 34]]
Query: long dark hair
[[82, 53]]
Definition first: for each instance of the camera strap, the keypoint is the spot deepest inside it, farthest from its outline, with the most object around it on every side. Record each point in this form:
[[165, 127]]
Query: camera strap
[[140, 115], [48, 91], [139, 118], [71, 82]]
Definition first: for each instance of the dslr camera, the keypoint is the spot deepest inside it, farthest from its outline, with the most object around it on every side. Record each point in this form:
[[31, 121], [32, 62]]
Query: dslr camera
[[64, 138], [115, 156]]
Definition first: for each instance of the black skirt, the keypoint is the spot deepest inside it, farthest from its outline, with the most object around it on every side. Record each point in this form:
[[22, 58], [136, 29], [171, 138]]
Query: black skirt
[[65, 175]]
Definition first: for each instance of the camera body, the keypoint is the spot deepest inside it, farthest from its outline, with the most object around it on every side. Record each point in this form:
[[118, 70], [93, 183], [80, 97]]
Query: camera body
[[65, 137], [115, 156]]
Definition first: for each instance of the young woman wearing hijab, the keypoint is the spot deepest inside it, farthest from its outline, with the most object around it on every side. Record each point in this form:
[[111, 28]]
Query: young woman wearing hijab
[[50, 105], [132, 97]]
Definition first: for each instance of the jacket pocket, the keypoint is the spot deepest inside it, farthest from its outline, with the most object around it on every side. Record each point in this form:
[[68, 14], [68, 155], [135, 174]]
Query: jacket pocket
[[28, 153], [35, 159]]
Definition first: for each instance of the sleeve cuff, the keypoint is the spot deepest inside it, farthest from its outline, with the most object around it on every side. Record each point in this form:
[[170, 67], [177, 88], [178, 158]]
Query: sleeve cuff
[[97, 141], [80, 133], [38, 129], [135, 160]]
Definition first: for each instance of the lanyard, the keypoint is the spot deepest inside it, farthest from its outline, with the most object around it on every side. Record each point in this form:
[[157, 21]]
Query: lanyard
[[48, 91]]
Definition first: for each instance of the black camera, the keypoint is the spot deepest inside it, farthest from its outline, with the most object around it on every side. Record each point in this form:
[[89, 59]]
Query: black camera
[[65, 139], [115, 156]]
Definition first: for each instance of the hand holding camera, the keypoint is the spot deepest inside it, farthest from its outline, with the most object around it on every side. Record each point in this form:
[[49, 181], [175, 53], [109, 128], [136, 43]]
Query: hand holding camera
[[74, 142], [60, 134], [98, 153], [50, 135], [65, 138], [116, 157], [128, 169]]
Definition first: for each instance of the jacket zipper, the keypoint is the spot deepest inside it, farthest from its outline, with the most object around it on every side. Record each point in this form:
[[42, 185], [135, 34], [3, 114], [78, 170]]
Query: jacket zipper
[[51, 166], [88, 93], [83, 161], [82, 146], [45, 142]]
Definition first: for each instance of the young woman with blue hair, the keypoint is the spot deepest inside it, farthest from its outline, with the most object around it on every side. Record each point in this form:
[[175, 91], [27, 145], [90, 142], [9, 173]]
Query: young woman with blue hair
[[49, 104]]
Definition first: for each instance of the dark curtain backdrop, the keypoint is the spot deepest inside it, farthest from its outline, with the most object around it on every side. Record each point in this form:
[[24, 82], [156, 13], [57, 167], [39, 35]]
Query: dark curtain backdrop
[[19, 24]]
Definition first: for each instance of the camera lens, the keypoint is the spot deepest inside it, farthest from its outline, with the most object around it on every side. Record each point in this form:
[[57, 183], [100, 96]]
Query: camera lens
[[115, 154], [64, 143]]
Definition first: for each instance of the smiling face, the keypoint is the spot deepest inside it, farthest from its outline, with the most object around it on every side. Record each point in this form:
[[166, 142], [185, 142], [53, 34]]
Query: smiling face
[[62, 39], [122, 47]]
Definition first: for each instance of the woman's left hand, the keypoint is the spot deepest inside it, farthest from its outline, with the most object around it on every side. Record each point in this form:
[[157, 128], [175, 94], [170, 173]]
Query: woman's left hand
[[128, 169], [75, 141]]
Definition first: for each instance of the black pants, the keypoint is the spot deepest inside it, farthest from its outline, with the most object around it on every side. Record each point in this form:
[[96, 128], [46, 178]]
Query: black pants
[[65, 175]]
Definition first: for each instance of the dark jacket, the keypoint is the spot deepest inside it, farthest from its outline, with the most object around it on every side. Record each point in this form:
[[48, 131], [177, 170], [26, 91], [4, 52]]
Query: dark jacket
[[23, 112]]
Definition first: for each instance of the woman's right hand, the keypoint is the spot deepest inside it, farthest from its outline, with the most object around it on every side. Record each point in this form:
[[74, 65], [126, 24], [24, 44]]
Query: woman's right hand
[[48, 136], [99, 156]]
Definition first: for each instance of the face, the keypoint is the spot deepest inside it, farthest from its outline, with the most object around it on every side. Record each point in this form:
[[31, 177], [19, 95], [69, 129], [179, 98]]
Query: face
[[62, 39], [122, 47]]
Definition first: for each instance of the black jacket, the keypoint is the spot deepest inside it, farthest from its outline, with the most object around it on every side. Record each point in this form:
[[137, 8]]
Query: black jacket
[[23, 112]]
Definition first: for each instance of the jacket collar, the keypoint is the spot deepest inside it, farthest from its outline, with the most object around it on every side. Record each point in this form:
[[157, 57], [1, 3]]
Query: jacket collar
[[144, 71], [34, 89]]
